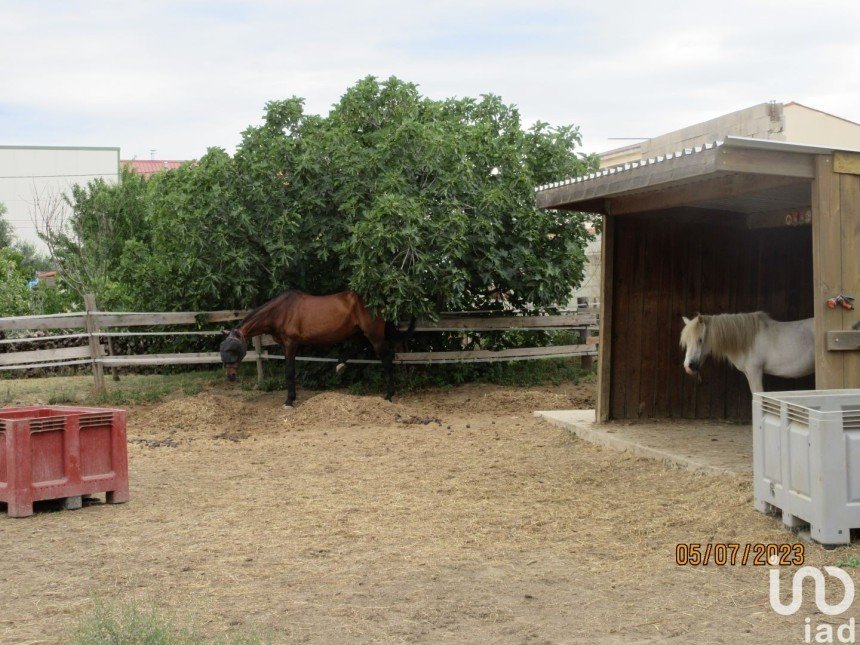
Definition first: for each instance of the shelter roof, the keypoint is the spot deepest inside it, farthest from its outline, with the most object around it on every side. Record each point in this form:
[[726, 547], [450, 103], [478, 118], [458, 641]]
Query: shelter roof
[[737, 174]]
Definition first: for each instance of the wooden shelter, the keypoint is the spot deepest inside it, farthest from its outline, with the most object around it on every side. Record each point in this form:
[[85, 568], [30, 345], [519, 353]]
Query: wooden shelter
[[737, 225]]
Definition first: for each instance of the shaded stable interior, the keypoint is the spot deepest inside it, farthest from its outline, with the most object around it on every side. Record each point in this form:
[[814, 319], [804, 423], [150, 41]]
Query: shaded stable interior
[[680, 262], [740, 226]]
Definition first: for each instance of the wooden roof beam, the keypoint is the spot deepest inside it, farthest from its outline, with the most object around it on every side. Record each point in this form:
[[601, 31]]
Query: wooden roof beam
[[682, 168], [697, 192], [766, 162]]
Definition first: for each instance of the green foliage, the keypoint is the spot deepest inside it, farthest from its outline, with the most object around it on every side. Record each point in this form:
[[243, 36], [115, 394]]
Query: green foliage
[[23, 263], [850, 562], [58, 397], [32, 260], [200, 252], [54, 300], [19, 262], [7, 232], [134, 389], [14, 292], [89, 245], [130, 624], [420, 205], [364, 379]]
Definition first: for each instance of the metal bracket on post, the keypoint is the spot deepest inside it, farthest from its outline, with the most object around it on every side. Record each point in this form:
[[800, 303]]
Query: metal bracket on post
[[95, 345]]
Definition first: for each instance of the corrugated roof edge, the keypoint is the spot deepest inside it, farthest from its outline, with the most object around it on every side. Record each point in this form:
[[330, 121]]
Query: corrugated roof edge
[[628, 166], [728, 142]]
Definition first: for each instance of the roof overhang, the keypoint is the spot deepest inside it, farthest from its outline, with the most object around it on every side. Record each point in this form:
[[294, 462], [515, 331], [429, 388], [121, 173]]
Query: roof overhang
[[738, 174]]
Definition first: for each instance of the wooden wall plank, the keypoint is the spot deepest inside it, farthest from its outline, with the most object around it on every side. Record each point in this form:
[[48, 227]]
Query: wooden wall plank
[[665, 346], [693, 298], [650, 262], [709, 275], [635, 331], [846, 162], [548, 352], [724, 287], [844, 341], [827, 270], [624, 249], [144, 318], [739, 301], [849, 197], [44, 355], [446, 323], [56, 321], [765, 162], [498, 323], [709, 269], [677, 378]]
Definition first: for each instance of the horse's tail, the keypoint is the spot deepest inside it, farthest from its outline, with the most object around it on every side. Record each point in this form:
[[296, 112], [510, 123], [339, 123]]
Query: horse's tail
[[394, 334]]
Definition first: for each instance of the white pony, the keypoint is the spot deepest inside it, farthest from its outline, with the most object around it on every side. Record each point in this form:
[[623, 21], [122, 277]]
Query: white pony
[[754, 343]]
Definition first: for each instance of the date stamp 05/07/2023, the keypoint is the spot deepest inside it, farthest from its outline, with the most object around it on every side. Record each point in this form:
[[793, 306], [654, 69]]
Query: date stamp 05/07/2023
[[734, 553]]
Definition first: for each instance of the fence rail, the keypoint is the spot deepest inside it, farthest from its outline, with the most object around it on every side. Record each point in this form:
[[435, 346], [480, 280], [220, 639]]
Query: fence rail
[[98, 326]]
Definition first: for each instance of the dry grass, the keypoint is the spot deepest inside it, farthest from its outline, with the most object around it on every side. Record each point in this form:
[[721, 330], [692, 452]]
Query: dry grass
[[340, 522]]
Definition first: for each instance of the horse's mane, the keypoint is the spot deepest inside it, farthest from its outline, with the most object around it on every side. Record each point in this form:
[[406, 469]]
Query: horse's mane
[[266, 307], [733, 334]]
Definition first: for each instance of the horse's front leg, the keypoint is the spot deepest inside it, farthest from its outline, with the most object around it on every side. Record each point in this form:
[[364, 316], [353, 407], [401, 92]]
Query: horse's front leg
[[386, 355], [290, 373], [754, 377], [348, 352], [388, 366]]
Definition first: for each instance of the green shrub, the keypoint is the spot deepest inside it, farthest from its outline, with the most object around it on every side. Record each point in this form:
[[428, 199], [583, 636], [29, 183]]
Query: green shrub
[[129, 624]]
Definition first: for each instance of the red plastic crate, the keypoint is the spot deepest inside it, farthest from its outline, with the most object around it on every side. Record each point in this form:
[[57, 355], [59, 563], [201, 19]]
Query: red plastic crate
[[51, 452]]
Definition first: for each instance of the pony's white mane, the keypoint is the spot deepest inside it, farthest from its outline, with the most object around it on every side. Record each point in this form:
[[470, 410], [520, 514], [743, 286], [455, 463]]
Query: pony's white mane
[[728, 335]]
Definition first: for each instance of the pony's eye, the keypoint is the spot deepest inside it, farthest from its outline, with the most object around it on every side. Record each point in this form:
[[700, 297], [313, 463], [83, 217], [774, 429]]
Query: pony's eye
[[700, 341]]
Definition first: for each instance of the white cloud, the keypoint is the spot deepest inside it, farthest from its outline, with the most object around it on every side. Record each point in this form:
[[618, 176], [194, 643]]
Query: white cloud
[[180, 76]]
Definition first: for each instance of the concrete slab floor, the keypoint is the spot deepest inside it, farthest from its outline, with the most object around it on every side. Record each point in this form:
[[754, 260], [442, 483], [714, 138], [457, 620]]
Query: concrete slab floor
[[702, 446]]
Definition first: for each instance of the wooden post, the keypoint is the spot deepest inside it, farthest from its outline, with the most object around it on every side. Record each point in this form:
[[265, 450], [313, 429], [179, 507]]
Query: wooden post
[[95, 345], [827, 270], [587, 362], [114, 371], [258, 347], [604, 351], [847, 166]]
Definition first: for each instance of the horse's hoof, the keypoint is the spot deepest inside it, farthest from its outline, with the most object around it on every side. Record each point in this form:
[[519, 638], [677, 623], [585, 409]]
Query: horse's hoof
[[340, 368], [288, 407]]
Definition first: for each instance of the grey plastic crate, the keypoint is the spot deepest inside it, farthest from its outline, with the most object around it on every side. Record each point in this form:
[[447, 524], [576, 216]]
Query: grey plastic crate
[[806, 459]]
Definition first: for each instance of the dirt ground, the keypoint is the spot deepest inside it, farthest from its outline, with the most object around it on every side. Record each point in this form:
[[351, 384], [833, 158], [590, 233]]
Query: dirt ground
[[447, 516]]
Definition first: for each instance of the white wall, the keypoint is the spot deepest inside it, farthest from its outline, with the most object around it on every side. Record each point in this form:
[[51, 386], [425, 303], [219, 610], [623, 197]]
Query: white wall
[[807, 125], [590, 287], [28, 173]]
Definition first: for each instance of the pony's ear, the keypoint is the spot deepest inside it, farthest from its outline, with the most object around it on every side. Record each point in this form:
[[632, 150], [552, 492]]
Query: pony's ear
[[686, 320], [225, 333], [698, 317]]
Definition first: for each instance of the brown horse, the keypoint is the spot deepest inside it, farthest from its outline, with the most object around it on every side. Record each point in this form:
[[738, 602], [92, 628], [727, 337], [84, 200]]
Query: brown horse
[[295, 319]]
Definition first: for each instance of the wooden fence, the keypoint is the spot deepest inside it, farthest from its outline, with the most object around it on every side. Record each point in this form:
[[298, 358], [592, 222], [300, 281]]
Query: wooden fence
[[98, 327]]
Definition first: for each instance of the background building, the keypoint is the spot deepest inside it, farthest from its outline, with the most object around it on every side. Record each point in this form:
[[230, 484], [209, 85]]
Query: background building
[[33, 177], [148, 167], [790, 122]]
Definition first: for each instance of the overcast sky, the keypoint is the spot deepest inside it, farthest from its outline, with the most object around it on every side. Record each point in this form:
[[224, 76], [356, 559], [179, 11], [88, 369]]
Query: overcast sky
[[180, 76]]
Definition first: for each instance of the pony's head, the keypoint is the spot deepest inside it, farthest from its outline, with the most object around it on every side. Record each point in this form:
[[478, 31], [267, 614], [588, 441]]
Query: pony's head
[[694, 342], [232, 351]]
